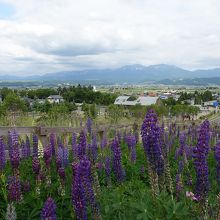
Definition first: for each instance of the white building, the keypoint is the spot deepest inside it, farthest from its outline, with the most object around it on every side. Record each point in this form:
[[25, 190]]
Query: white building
[[147, 100], [213, 103], [55, 99], [142, 100]]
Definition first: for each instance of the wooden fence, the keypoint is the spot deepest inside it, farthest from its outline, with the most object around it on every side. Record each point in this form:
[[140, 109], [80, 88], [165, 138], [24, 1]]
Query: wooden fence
[[44, 132]]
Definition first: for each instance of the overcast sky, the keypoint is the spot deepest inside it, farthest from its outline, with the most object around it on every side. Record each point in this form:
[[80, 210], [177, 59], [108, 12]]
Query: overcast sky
[[41, 36]]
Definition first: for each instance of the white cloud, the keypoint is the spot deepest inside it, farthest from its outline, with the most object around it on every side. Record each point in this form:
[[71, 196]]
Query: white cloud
[[53, 35]]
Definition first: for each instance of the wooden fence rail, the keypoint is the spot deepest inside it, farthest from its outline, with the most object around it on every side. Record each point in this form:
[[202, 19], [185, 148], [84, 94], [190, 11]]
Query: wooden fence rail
[[44, 132], [57, 130]]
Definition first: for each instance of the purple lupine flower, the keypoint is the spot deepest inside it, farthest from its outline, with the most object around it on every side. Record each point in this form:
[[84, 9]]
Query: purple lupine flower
[[200, 154], [59, 141], [2, 155], [12, 141], [128, 142], [217, 158], [99, 166], [74, 166], [116, 160], [53, 143], [36, 165], [74, 145], [28, 145], [181, 150], [15, 158], [94, 148], [107, 168], [48, 212], [119, 136], [133, 151], [131, 141], [86, 178], [14, 149], [47, 156], [35, 145], [184, 150], [60, 152], [142, 170], [14, 138], [10, 145], [179, 186], [78, 194], [151, 138], [82, 145], [14, 189], [61, 172], [24, 150], [25, 186], [180, 167], [104, 141], [63, 155], [171, 142], [58, 162], [89, 125]]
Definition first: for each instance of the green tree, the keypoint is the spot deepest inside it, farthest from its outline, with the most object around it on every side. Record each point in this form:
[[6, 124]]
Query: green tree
[[42, 107], [137, 111], [13, 103], [93, 112], [207, 96], [5, 91], [2, 110], [58, 109], [85, 108], [115, 112]]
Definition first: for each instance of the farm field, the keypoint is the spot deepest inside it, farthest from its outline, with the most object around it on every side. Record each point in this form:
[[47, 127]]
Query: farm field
[[141, 173]]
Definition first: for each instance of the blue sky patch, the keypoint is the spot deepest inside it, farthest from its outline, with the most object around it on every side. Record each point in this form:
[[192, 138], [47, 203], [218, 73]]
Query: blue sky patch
[[6, 10]]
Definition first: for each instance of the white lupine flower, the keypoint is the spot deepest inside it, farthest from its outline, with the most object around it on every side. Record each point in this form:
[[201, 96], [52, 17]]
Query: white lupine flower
[[11, 213], [40, 149]]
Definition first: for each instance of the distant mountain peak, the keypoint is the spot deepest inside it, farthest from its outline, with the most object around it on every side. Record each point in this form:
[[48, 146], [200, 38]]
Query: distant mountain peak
[[164, 66], [134, 73], [133, 66]]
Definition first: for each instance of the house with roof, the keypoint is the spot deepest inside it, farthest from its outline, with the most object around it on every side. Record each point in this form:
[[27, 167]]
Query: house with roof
[[212, 103], [29, 101], [142, 100], [55, 99]]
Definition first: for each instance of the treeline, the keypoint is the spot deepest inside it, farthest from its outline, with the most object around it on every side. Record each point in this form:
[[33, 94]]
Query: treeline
[[41, 93], [73, 94], [80, 94], [199, 97]]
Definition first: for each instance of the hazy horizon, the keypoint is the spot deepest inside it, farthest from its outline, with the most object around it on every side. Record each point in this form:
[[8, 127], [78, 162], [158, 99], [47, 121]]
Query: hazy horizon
[[104, 68], [42, 36]]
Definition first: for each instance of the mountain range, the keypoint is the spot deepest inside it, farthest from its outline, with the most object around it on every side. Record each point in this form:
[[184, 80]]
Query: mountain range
[[136, 73]]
